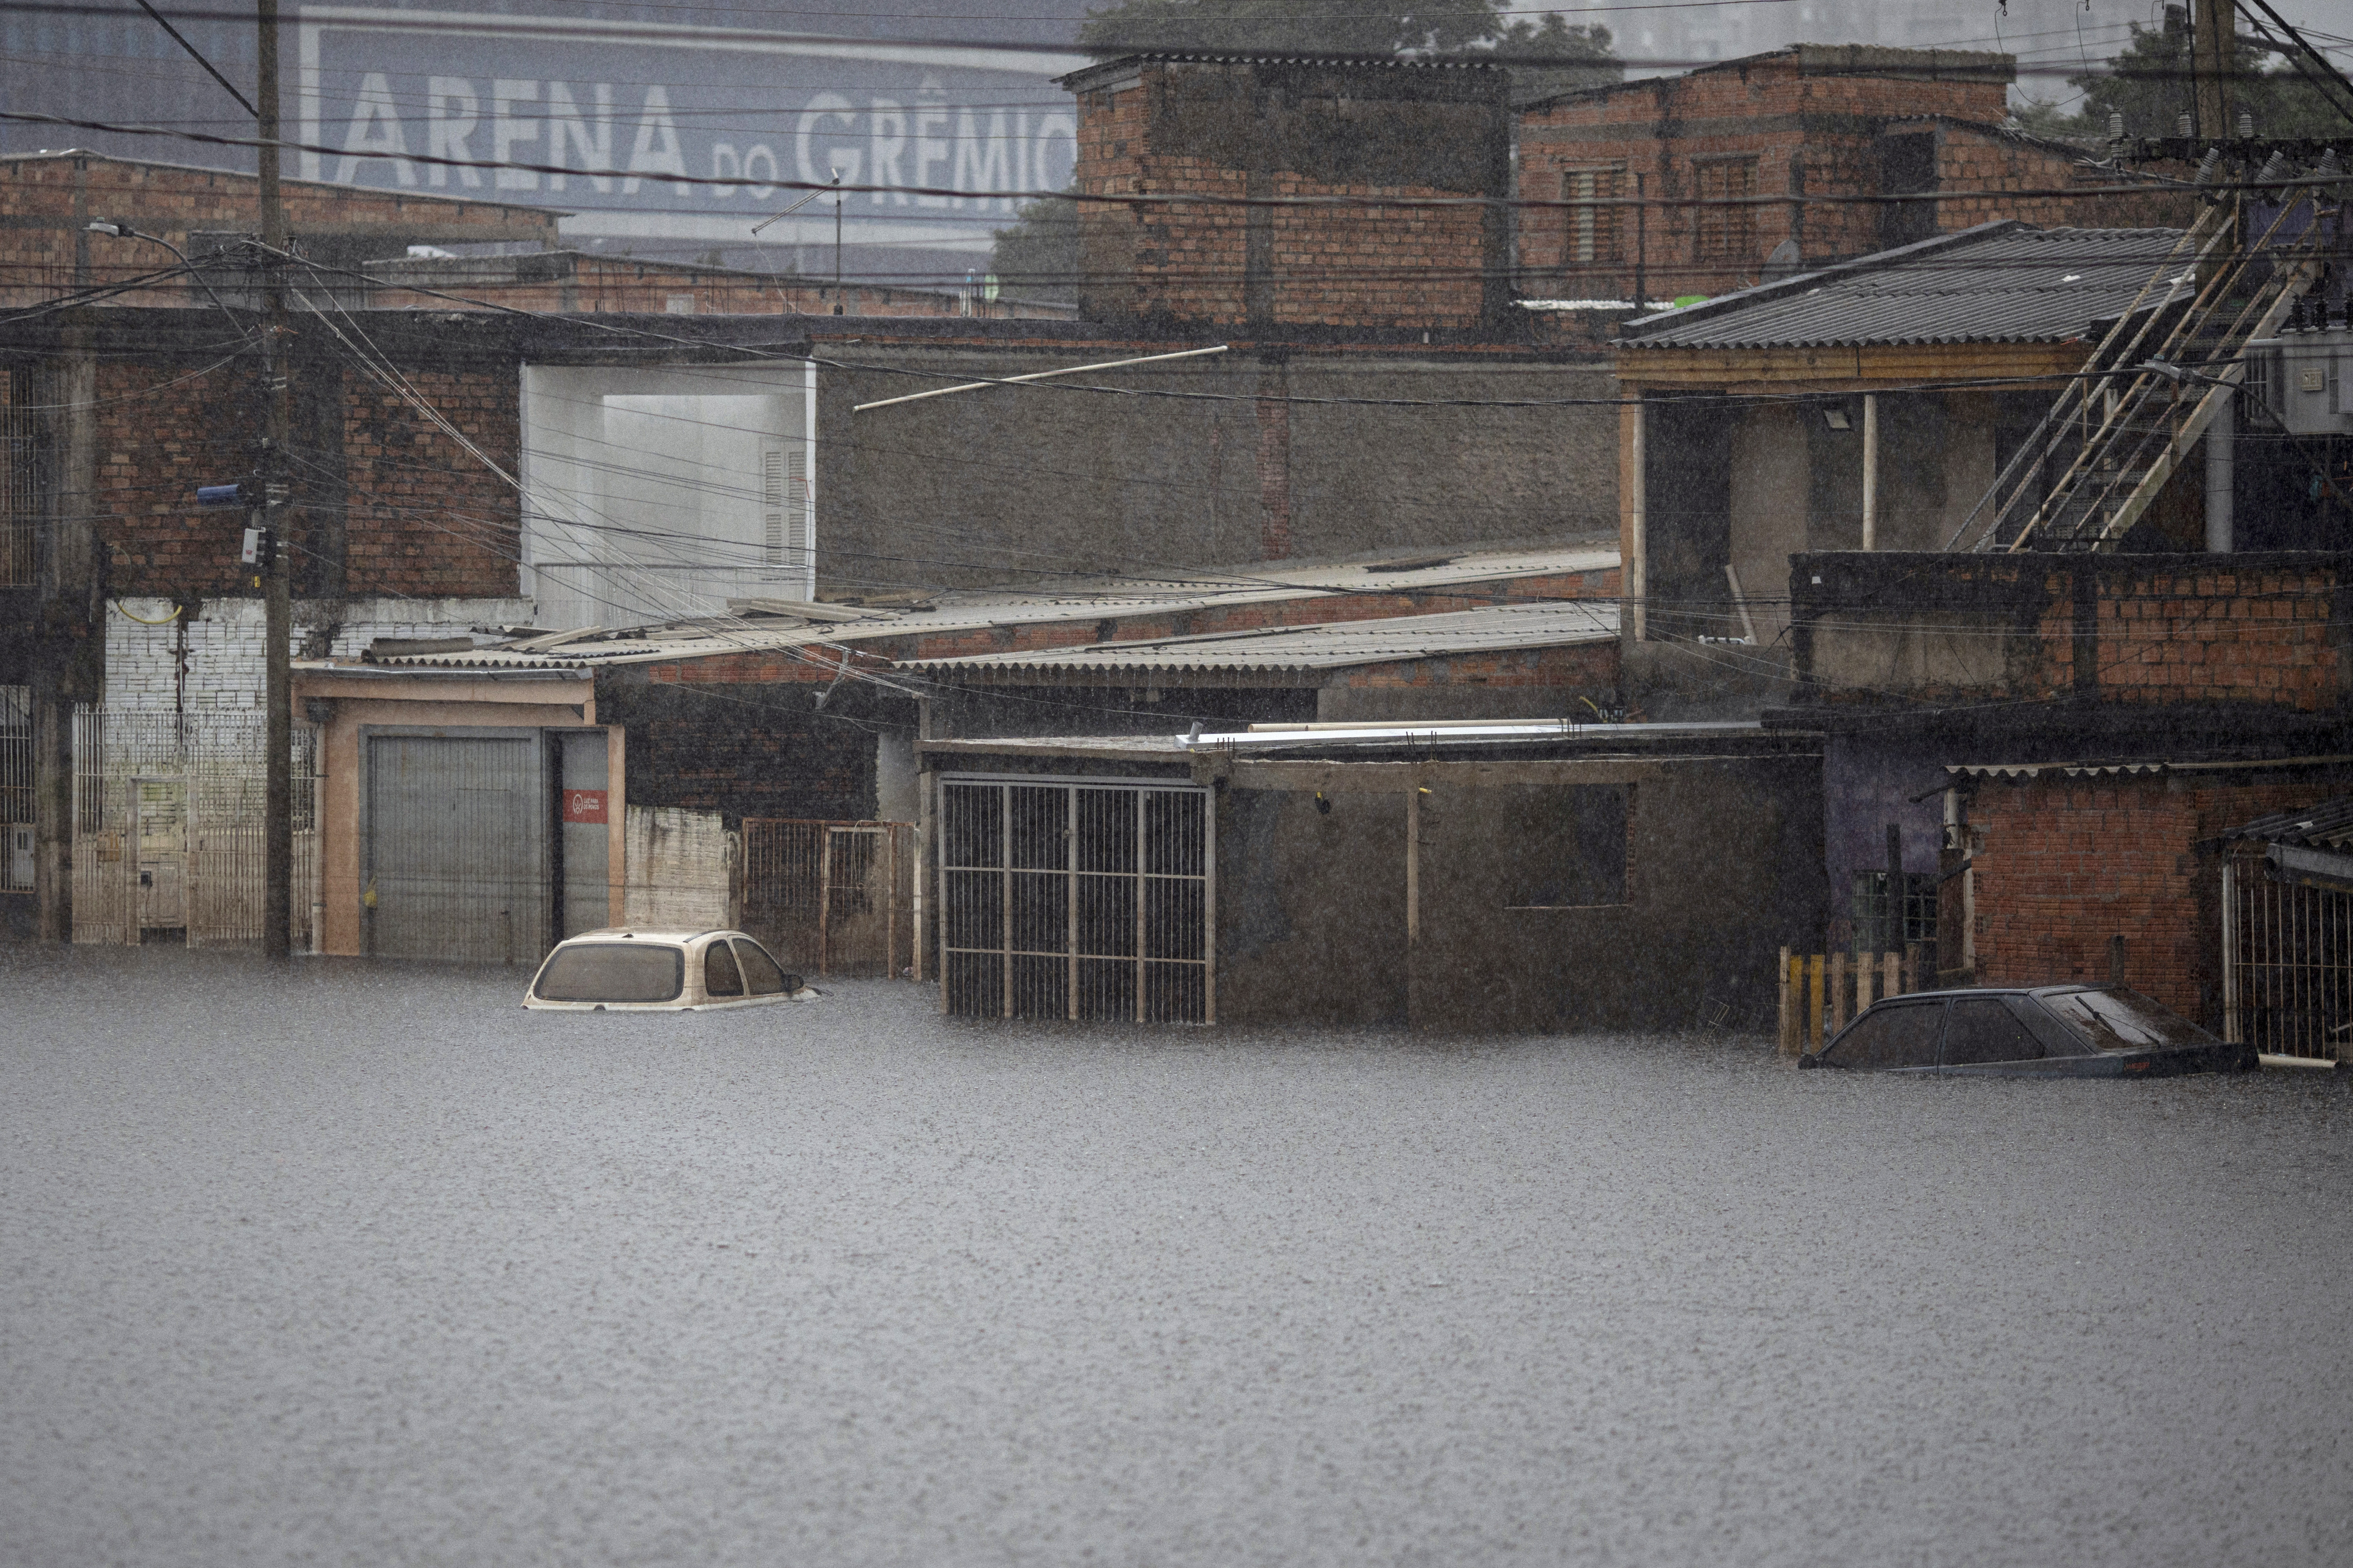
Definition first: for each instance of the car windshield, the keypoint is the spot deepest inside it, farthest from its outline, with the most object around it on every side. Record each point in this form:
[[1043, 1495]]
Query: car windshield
[[612, 972], [2123, 1020]]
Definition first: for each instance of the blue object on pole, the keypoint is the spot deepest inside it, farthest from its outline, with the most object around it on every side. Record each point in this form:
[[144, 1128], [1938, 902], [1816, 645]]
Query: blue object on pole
[[220, 495]]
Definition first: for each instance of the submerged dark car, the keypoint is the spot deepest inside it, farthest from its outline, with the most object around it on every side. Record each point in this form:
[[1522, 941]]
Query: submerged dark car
[[2062, 1031]]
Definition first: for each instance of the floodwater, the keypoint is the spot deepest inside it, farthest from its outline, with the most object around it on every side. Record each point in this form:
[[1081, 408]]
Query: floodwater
[[364, 1264]]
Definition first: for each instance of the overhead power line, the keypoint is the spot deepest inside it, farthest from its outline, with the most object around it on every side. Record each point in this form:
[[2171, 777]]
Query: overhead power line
[[1164, 200]]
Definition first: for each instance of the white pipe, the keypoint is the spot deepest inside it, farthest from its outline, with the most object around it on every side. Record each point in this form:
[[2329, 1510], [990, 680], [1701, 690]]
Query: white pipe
[[1035, 375]]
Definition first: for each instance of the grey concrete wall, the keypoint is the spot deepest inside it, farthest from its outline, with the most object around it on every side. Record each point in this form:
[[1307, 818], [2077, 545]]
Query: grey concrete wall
[[1726, 867], [1010, 485], [1311, 907]]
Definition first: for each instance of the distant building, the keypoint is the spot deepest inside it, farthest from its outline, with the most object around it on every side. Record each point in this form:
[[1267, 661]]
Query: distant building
[[1818, 125]]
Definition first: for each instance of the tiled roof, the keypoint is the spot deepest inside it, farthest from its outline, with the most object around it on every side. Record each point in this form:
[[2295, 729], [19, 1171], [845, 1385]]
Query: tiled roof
[[1997, 283]]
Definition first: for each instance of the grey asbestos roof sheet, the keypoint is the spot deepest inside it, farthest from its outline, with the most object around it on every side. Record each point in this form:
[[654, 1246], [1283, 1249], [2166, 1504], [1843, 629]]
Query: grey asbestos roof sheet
[[2327, 826], [1076, 599], [1997, 283], [1330, 645]]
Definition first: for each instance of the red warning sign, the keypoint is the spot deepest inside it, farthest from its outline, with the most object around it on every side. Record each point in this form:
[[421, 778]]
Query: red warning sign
[[584, 805]]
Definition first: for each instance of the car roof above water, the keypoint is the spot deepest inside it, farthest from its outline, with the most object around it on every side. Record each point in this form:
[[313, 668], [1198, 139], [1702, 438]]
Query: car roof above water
[[2063, 990], [640, 933]]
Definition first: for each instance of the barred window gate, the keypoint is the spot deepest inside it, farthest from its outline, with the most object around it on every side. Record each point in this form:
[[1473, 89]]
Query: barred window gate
[[167, 827], [832, 898], [2287, 961], [1077, 899], [16, 788]]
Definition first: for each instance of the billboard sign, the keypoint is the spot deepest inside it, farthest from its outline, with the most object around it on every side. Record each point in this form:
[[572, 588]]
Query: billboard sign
[[678, 139]]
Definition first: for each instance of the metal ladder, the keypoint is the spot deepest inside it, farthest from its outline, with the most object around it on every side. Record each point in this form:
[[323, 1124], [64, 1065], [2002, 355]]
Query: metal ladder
[[2122, 428]]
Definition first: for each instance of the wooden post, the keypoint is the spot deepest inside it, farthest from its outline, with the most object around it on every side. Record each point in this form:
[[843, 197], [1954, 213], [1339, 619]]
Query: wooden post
[[1912, 967], [1788, 1041], [1838, 992], [1891, 976], [1863, 964], [1814, 1001]]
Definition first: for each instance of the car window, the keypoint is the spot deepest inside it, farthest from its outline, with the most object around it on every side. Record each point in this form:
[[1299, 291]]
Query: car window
[[2058, 1039], [720, 977], [1900, 1037], [612, 972], [2121, 1020], [1985, 1030], [760, 975]]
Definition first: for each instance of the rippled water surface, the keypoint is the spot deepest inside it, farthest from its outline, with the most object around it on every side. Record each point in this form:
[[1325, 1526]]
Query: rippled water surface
[[358, 1264]]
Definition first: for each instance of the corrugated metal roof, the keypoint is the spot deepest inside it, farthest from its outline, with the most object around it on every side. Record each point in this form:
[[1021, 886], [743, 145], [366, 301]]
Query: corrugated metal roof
[[2327, 826], [1328, 645], [2122, 769], [1998, 283], [1083, 599]]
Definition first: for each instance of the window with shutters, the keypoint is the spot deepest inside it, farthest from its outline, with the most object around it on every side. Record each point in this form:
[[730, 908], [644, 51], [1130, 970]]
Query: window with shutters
[[1723, 233], [784, 512], [1590, 231]]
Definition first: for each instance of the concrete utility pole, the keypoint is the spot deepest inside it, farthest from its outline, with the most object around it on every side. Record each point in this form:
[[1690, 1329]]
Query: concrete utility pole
[[2213, 57], [278, 805]]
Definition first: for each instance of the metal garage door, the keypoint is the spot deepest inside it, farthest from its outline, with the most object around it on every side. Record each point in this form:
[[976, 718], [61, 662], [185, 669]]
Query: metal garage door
[[456, 859], [1077, 899]]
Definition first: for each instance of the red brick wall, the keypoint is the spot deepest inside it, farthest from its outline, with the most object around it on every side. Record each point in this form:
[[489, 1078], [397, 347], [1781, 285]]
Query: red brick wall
[[2063, 865], [1808, 133], [1358, 264], [420, 516], [427, 518], [45, 201], [2176, 630]]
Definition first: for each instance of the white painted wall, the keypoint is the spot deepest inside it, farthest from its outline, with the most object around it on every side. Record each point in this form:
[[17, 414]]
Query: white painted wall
[[658, 493], [223, 647]]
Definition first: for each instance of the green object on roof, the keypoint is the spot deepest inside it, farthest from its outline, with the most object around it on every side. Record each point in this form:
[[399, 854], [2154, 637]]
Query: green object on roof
[[1684, 300]]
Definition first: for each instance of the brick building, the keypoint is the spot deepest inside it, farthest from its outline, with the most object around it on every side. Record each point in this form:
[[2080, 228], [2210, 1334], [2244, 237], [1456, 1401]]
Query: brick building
[[1831, 130], [488, 253], [2095, 872], [1303, 152], [47, 201]]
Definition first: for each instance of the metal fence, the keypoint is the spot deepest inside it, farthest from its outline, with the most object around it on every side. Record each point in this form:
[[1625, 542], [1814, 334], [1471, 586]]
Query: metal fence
[[1077, 899], [2287, 962], [832, 898], [167, 827], [16, 788], [24, 456]]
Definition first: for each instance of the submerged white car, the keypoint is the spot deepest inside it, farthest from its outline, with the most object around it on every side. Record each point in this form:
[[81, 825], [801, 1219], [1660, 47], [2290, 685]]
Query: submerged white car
[[649, 971]]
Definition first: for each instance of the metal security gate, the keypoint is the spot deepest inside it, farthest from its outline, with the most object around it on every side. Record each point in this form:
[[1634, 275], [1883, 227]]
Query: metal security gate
[[167, 827], [2287, 962], [16, 788], [1077, 899], [831, 898], [455, 866]]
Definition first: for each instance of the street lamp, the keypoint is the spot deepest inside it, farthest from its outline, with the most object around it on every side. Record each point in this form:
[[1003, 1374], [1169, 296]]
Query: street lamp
[[836, 188], [124, 231]]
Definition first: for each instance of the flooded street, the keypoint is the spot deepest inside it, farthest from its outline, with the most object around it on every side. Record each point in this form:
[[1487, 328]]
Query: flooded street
[[364, 1264]]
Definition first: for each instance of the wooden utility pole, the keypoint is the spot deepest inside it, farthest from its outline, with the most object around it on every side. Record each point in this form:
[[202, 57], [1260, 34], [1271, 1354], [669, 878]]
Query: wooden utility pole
[[2214, 56], [278, 805]]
